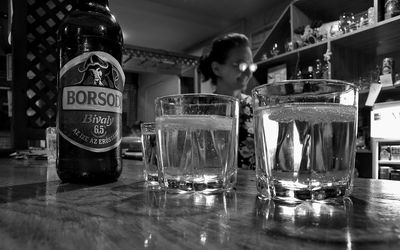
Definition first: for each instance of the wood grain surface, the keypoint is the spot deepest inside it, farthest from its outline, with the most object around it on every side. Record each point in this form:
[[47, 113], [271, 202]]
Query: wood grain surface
[[37, 211]]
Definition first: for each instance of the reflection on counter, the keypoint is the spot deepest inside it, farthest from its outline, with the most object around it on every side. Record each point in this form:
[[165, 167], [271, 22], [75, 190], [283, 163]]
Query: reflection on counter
[[300, 220], [158, 205]]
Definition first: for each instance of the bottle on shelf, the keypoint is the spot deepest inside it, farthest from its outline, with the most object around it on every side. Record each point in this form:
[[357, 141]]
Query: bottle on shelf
[[310, 73], [325, 71], [318, 69], [299, 75], [90, 85], [378, 72]]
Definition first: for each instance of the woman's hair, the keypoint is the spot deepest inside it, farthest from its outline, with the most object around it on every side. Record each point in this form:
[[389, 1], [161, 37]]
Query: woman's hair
[[219, 52]]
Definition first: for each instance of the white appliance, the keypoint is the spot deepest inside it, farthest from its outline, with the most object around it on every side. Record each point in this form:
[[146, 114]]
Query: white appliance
[[385, 130]]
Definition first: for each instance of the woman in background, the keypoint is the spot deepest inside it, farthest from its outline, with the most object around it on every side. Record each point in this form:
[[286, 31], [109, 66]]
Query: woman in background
[[229, 66]]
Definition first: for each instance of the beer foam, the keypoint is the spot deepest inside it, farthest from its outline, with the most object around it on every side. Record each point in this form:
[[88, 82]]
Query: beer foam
[[209, 122], [313, 113]]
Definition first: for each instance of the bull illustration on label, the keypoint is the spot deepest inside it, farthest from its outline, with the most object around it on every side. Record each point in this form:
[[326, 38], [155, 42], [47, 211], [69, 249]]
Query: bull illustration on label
[[98, 72]]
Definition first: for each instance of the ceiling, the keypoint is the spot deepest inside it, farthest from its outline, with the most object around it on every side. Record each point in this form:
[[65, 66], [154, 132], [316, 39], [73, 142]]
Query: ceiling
[[180, 25]]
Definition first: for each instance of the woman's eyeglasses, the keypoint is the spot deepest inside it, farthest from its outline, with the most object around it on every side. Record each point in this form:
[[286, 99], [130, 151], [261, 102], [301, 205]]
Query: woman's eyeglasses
[[242, 67]]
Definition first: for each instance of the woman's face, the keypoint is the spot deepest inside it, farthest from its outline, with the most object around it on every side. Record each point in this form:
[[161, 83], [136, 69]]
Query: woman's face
[[229, 74]]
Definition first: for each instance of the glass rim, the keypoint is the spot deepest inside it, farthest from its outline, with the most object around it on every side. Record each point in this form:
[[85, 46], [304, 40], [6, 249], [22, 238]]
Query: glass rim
[[345, 83], [222, 97]]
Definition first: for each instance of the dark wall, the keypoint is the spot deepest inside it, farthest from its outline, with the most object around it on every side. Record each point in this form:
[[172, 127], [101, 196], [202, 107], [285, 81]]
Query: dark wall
[[4, 46]]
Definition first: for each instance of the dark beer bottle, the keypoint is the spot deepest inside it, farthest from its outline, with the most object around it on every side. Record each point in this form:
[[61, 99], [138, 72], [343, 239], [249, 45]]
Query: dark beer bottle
[[90, 85]]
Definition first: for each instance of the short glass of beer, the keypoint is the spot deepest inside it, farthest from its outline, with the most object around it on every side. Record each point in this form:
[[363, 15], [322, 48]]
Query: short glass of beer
[[149, 149], [305, 133], [197, 142]]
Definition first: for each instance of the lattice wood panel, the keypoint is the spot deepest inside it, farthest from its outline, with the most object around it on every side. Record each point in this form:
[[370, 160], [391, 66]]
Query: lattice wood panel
[[43, 19]]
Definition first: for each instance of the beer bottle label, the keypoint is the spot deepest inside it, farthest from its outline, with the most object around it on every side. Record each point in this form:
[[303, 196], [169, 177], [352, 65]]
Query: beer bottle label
[[91, 112]]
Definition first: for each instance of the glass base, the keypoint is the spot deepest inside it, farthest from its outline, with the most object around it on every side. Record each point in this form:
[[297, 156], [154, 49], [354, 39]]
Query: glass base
[[331, 196], [205, 185]]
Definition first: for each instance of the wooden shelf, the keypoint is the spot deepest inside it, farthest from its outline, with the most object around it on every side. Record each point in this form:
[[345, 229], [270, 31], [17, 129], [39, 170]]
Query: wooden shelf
[[288, 56], [378, 39], [322, 10], [383, 89], [381, 38], [363, 151], [281, 34], [305, 54], [354, 54], [389, 162]]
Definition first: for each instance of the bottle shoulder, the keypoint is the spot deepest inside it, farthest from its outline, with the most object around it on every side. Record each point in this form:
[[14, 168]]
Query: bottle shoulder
[[88, 23]]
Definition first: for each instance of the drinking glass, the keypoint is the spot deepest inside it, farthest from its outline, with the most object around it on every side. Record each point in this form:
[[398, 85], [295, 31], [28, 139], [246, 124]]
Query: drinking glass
[[149, 148], [305, 135], [51, 144], [197, 142]]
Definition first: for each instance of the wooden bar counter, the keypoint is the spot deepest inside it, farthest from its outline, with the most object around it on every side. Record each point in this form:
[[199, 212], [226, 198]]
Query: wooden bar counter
[[37, 211]]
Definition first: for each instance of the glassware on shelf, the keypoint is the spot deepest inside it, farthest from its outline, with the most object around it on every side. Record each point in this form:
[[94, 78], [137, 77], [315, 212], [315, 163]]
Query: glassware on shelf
[[392, 8], [343, 23], [264, 57], [275, 50], [363, 83], [289, 46], [325, 71], [371, 15], [318, 69], [374, 74], [335, 29], [310, 73], [299, 75], [347, 22], [353, 24], [362, 19]]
